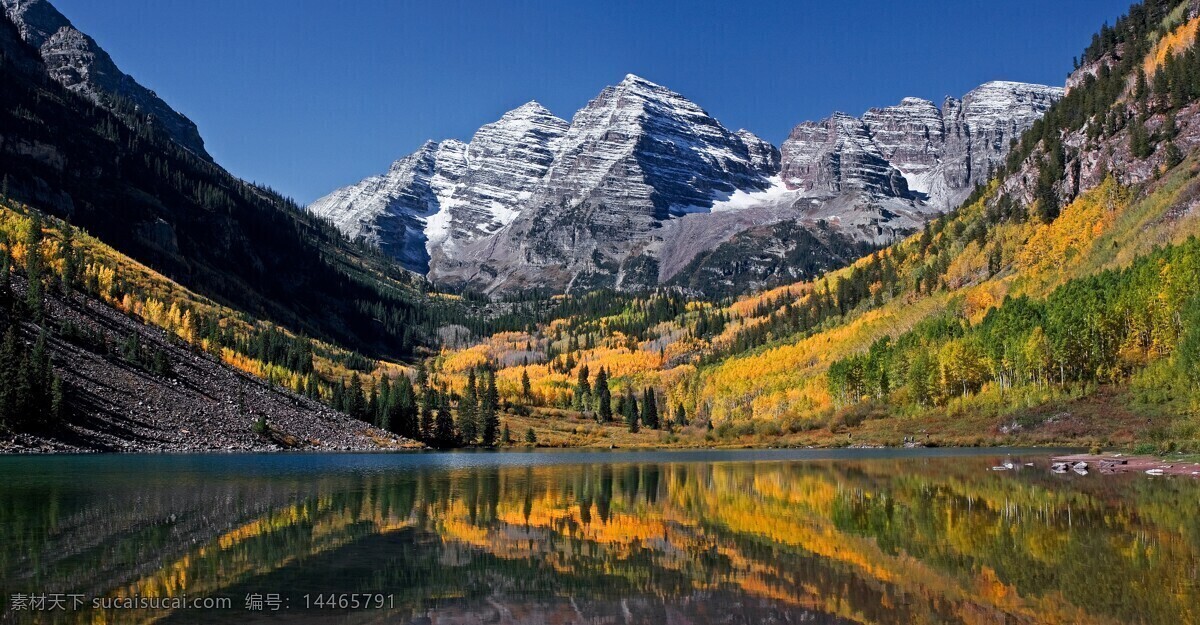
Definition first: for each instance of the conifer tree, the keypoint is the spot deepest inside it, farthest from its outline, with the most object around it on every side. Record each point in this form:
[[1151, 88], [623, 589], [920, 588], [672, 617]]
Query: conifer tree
[[1139, 138], [604, 395], [583, 385], [630, 410], [428, 400], [488, 411], [649, 409], [356, 403], [383, 409], [468, 412], [443, 426], [33, 268], [402, 413], [680, 415]]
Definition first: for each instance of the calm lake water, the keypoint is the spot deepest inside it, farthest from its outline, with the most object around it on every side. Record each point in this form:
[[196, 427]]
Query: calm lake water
[[853, 536]]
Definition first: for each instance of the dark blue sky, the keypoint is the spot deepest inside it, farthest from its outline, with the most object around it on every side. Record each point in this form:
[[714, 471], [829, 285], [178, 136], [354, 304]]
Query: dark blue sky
[[308, 95]]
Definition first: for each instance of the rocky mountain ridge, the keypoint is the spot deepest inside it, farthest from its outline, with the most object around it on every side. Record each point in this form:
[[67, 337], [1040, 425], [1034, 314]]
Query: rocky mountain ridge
[[77, 62], [642, 180]]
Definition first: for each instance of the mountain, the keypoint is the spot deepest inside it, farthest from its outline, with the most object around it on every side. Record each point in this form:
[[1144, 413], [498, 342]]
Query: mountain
[[635, 157], [449, 193], [643, 181], [1058, 302], [117, 175], [908, 162], [78, 63]]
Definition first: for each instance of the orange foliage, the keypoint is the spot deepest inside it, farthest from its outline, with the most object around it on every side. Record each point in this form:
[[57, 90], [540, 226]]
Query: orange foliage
[[1174, 42]]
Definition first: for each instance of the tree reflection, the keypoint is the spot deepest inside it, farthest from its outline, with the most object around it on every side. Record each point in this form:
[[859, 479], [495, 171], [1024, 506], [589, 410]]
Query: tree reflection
[[886, 541]]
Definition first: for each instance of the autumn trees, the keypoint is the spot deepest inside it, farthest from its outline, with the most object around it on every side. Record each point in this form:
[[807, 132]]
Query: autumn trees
[[32, 396], [1102, 328]]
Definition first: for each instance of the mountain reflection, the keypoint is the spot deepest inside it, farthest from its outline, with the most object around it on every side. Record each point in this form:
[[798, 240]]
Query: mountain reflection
[[919, 540]]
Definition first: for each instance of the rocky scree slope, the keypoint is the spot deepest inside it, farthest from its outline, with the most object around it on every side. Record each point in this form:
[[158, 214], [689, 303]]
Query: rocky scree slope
[[114, 404]]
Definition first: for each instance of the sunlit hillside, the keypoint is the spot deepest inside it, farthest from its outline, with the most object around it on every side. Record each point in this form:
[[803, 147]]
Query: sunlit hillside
[[909, 342]]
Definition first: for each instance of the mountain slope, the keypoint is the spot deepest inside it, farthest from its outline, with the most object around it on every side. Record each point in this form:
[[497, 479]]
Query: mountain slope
[[642, 181], [450, 193], [78, 63], [100, 353], [1057, 303], [137, 189]]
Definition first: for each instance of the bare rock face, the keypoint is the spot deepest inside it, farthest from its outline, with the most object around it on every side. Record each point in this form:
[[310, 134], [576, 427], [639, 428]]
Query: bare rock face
[[448, 194], [763, 155], [990, 117], [940, 155], [77, 62], [642, 181], [835, 156], [505, 162], [637, 155], [392, 210], [910, 136]]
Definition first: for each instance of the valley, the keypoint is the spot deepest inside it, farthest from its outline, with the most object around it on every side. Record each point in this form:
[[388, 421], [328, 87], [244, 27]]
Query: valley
[[1015, 266]]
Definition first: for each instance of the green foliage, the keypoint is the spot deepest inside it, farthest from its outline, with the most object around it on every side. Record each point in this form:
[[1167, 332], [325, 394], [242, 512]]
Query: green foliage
[[489, 419], [604, 409], [468, 413], [649, 414], [1102, 328], [629, 409]]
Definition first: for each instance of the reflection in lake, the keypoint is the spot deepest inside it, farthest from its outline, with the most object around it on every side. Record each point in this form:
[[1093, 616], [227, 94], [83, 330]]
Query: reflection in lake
[[859, 537]]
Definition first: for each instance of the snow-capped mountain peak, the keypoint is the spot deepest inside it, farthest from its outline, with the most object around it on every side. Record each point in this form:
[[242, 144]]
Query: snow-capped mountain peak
[[643, 178]]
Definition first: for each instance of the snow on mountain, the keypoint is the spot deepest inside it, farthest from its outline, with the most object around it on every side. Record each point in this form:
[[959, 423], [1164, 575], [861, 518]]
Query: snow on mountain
[[636, 156], [449, 192], [640, 147], [914, 151], [642, 178]]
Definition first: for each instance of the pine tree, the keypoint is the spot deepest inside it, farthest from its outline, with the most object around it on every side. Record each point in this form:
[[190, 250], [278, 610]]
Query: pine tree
[[530, 437], [1139, 138], [311, 389], [631, 410], [71, 262], [33, 267], [426, 417], [422, 375], [356, 403], [1140, 88], [443, 426], [506, 435], [403, 409], [10, 362], [371, 412], [604, 395], [649, 409], [1171, 155], [488, 413], [383, 409], [468, 412], [58, 401], [526, 389], [680, 415]]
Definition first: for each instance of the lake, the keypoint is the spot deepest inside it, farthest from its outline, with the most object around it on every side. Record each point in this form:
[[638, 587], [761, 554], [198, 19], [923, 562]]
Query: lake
[[840, 536]]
